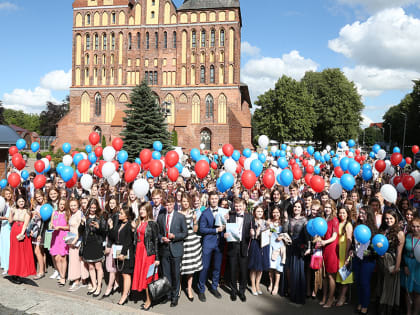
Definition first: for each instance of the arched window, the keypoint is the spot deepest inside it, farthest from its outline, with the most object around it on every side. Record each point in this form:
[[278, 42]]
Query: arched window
[[156, 40], [174, 40], [112, 41], [114, 18], [87, 42], [212, 38], [165, 40], [209, 106], [96, 42], [87, 19], [104, 41], [87, 60], [129, 41], [147, 40], [222, 38], [193, 39], [205, 138], [98, 104], [203, 38], [202, 75], [138, 40], [211, 74]]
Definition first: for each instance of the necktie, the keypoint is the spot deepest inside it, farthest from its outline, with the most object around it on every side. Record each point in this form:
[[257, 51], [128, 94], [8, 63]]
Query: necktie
[[239, 215], [102, 203], [167, 224]]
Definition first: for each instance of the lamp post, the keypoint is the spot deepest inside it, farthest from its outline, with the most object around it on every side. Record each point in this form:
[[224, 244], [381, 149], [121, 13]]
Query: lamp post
[[405, 128], [165, 109]]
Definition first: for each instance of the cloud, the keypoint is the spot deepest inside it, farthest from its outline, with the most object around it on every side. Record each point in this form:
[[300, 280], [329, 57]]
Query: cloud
[[57, 80], [248, 49], [387, 40], [28, 100], [8, 6], [378, 5], [366, 121], [261, 74]]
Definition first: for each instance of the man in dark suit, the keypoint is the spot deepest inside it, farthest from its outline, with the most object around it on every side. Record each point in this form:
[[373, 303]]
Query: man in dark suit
[[158, 208], [237, 251], [212, 244], [288, 204], [172, 231]]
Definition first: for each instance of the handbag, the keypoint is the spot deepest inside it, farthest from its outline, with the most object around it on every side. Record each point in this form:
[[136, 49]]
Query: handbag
[[48, 239], [388, 261], [159, 288], [346, 270], [316, 260]]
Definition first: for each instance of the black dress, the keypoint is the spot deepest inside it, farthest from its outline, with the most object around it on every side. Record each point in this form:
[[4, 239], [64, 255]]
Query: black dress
[[93, 240], [123, 235]]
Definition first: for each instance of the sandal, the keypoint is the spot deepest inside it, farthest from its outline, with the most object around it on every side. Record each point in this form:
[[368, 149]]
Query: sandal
[[39, 276]]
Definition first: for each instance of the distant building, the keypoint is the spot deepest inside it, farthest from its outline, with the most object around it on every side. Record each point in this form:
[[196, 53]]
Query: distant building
[[377, 125], [8, 137], [29, 136], [189, 56]]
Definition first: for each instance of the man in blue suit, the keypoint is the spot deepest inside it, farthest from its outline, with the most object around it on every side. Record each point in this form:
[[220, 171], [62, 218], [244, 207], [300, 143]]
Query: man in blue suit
[[212, 244]]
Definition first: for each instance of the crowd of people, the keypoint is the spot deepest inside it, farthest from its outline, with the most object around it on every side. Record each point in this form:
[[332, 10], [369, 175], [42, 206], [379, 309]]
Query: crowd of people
[[110, 241]]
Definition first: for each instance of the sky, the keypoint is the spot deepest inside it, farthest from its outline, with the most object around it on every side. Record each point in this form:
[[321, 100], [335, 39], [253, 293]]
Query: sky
[[376, 43]]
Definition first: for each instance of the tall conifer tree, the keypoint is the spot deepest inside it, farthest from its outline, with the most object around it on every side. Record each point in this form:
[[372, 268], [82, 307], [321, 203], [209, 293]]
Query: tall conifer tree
[[2, 121]]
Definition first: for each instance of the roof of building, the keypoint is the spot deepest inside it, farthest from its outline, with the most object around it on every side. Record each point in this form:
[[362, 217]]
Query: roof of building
[[8, 136], [377, 125], [20, 129], [208, 4]]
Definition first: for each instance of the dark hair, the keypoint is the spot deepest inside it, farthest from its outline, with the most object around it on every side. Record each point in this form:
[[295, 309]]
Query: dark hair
[[393, 231], [98, 208], [128, 211], [170, 199], [149, 211], [186, 196], [213, 193], [370, 220], [108, 209], [302, 206], [307, 194]]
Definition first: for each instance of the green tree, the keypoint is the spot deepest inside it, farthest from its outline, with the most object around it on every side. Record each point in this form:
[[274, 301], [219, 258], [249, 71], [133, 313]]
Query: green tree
[[338, 106], [285, 113], [2, 121], [103, 142], [145, 122], [370, 136], [52, 115], [21, 119]]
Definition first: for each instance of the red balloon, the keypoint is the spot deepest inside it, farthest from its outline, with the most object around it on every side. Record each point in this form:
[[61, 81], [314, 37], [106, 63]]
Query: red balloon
[[338, 172], [94, 138], [408, 160], [83, 166], [213, 165], [155, 168], [358, 159], [270, 170], [305, 163], [397, 180], [98, 151], [117, 165], [48, 157], [74, 153], [131, 174], [238, 169], [202, 168], [308, 178], [227, 149], [248, 179], [269, 179], [145, 156], [39, 166], [117, 143], [408, 182], [415, 149], [380, 166], [14, 180], [292, 162], [16, 159], [13, 150], [171, 158], [242, 160], [136, 167], [96, 171], [310, 169], [317, 183], [126, 166], [396, 158], [173, 173], [297, 173], [39, 181], [72, 181]]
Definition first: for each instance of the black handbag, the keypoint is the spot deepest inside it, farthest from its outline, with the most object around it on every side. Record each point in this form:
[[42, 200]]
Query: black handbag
[[159, 288]]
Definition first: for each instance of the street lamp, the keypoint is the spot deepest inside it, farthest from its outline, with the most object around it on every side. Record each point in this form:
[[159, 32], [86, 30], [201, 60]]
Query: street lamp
[[405, 128], [165, 108]]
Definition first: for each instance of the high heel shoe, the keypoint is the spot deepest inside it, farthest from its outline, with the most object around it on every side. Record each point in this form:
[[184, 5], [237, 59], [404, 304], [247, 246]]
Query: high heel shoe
[[97, 294], [125, 302], [191, 299], [106, 295], [143, 308], [91, 292]]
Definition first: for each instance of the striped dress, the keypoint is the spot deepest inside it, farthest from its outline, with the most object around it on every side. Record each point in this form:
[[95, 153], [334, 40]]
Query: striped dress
[[191, 261]]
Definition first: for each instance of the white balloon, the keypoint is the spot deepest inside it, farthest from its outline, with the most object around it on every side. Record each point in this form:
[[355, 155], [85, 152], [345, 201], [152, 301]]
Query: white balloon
[[274, 148], [400, 188], [84, 155], [180, 153], [108, 169], [288, 149], [416, 176], [263, 141], [2, 203], [220, 151], [86, 181], [46, 162], [108, 153], [230, 166], [298, 151], [328, 147], [335, 191], [141, 187], [351, 154], [254, 156], [186, 173], [114, 179], [67, 160], [247, 163], [202, 146], [381, 154], [390, 171], [312, 162], [389, 193], [265, 152]]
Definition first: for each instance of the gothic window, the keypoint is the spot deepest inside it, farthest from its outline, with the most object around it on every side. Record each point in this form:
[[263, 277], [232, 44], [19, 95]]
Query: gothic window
[[114, 18], [174, 40], [88, 19], [209, 106], [96, 42], [203, 38], [98, 104], [112, 41], [193, 39], [205, 138], [222, 38], [87, 42], [129, 41], [104, 42], [165, 40], [156, 40], [138, 40], [155, 78], [212, 74], [202, 75], [212, 38], [147, 40]]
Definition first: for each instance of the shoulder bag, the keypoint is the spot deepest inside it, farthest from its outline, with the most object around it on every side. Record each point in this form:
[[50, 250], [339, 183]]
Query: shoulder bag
[[159, 288]]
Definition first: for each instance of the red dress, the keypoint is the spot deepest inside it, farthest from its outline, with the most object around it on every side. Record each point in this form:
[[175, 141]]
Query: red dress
[[21, 259], [331, 260], [142, 263]]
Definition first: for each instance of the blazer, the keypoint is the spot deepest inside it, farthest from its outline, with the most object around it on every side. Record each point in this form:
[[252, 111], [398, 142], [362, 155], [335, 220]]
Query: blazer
[[151, 238], [178, 227], [206, 228], [100, 234], [232, 249], [125, 238]]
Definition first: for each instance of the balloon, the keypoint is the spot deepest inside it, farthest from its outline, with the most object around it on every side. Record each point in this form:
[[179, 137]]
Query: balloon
[[3, 183], [230, 165], [362, 234], [256, 167], [122, 156], [92, 157], [408, 182], [297, 173], [308, 178], [408, 160], [286, 177], [396, 158], [13, 150], [67, 160], [381, 154], [317, 183], [335, 180], [39, 181], [353, 167], [310, 227], [236, 155], [269, 179], [347, 182], [14, 180], [367, 174], [380, 166], [67, 173], [351, 143], [98, 151], [416, 176], [248, 179], [227, 149], [202, 146], [39, 166], [173, 174], [141, 188], [155, 168], [418, 164], [246, 153], [66, 147], [20, 144], [108, 153], [186, 173], [94, 138], [131, 174], [389, 193], [335, 191], [380, 244], [213, 165], [317, 169], [171, 158], [24, 174], [145, 156], [156, 155], [195, 154], [88, 148], [320, 226], [338, 171], [226, 182], [282, 162], [117, 144], [86, 181], [202, 168], [344, 163], [263, 141], [35, 146], [415, 149], [77, 158], [83, 166], [138, 161], [157, 146], [46, 211]]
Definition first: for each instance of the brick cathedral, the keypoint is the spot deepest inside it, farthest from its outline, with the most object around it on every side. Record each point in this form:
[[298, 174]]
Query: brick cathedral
[[189, 56]]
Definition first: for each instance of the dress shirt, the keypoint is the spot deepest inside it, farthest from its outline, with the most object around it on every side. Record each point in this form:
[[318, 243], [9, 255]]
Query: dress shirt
[[171, 216], [214, 211], [240, 223]]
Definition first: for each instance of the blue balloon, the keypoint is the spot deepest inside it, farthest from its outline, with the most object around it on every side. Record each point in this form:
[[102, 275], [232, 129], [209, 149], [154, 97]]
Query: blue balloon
[[35, 146], [367, 166], [327, 157], [320, 226], [277, 154], [205, 158], [278, 178], [335, 180], [403, 163], [322, 159], [24, 174], [59, 168], [354, 167], [3, 183], [317, 156], [347, 181], [224, 158], [262, 157], [418, 164], [376, 148], [179, 167], [88, 148], [310, 228], [21, 144], [283, 147], [367, 174], [78, 174], [396, 150], [335, 161], [156, 155], [77, 158], [344, 163], [246, 153], [351, 143], [218, 184], [157, 146], [310, 150], [138, 161], [372, 155], [195, 154], [122, 156], [236, 155], [380, 244], [362, 234], [282, 153], [67, 173], [286, 177], [66, 147], [216, 157], [282, 162], [149, 175], [92, 157], [226, 181], [256, 167], [46, 211], [317, 169]]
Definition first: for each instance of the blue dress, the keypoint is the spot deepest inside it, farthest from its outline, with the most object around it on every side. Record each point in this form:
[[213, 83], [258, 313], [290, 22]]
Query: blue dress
[[412, 282], [259, 258], [5, 240], [276, 245]]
